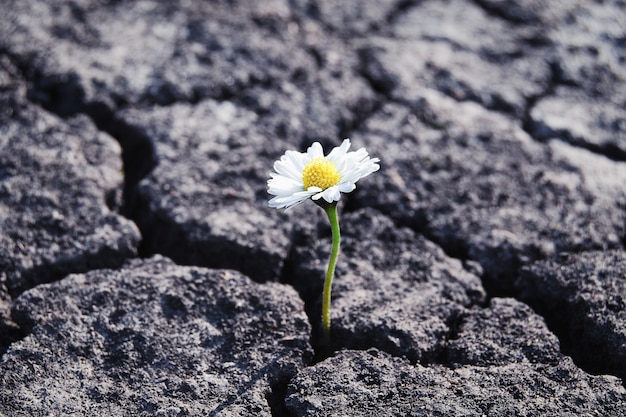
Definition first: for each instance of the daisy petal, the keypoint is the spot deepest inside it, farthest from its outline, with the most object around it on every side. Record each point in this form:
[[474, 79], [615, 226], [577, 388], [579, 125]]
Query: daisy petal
[[338, 152], [282, 186], [346, 187], [330, 195], [315, 151], [298, 160], [287, 169]]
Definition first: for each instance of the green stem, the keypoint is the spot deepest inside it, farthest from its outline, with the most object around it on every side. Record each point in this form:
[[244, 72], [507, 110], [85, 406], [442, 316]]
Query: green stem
[[331, 212]]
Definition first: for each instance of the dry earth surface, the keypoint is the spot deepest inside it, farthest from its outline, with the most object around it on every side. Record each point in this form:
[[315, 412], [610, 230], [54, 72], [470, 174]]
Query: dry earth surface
[[482, 269]]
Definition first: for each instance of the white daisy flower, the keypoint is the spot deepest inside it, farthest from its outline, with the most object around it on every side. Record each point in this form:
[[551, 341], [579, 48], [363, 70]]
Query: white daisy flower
[[300, 176]]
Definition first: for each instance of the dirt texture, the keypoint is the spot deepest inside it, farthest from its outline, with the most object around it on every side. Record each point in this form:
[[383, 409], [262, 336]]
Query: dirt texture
[[482, 270]]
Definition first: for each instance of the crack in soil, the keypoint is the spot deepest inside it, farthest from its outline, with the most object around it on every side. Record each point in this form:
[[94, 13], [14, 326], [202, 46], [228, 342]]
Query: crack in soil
[[401, 7], [509, 11]]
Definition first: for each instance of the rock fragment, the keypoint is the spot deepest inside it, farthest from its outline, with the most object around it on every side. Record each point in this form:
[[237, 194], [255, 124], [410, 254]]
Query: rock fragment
[[502, 361], [359, 383], [583, 297], [153, 338], [60, 182], [504, 332], [584, 119]]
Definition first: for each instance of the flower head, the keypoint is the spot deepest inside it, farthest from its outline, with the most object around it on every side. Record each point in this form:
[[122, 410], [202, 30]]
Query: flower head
[[300, 176]]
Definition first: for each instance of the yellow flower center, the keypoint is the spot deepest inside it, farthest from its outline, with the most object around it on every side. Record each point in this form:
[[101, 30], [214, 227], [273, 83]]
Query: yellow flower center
[[320, 173]]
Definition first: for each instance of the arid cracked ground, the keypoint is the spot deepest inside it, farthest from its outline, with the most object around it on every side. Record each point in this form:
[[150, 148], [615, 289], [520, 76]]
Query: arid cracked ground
[[483, 268]]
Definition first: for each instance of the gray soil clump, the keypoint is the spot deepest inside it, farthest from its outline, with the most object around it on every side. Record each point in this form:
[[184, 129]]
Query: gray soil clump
[[584, 296], [503, 361], [60, 183], [358, 383], [58, 179], [153, 338]]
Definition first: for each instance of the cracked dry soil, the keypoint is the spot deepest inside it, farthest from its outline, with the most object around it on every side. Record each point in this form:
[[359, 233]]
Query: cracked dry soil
[[483, 268]]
